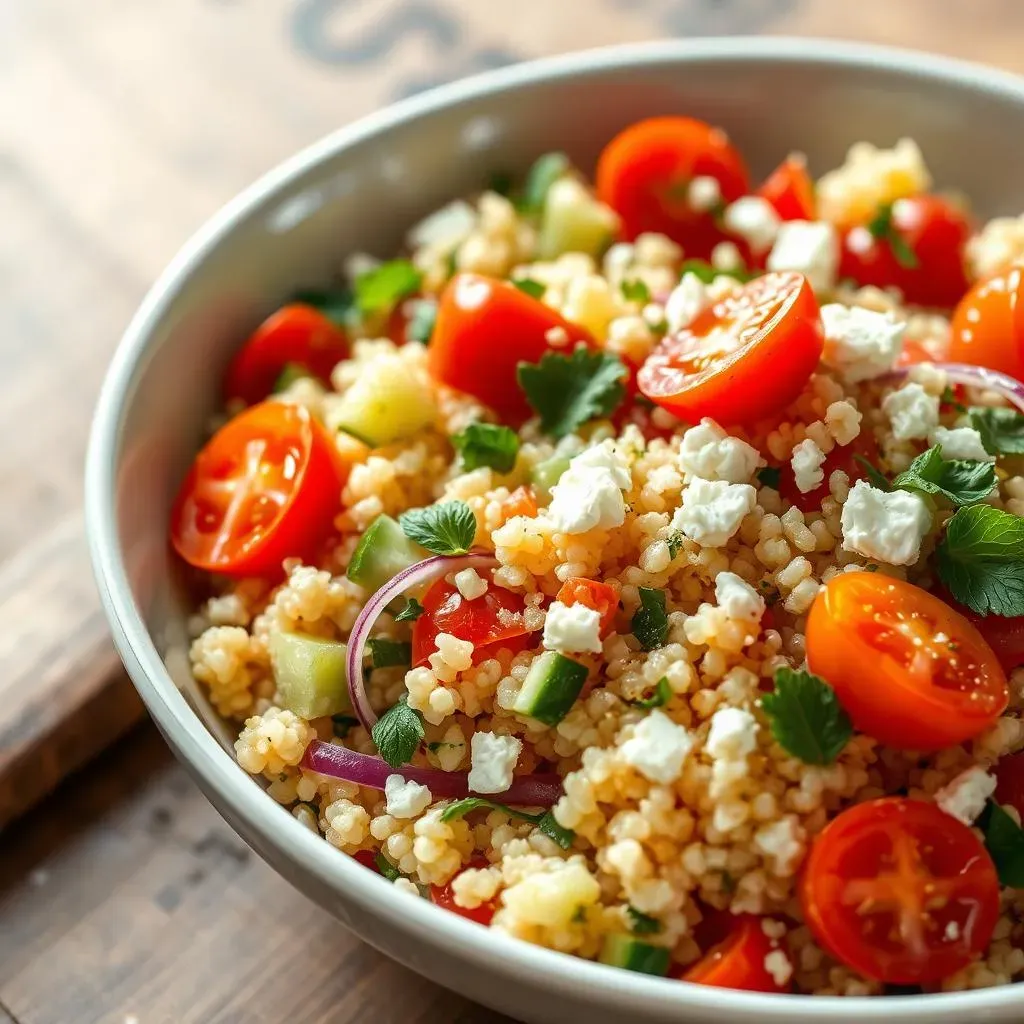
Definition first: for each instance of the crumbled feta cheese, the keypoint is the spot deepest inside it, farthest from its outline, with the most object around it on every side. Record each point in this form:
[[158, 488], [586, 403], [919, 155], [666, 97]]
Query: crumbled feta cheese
[[912, 412], [960, 443], [783, 843], [589, 492], [572, 627], [657, 748], [777, 964], [470, 584], [726, 256], [733, 734], [737, 598], [444, 229], [860, 343], [807, 461], [493, 759], [810, 248], [405, 799], [686, 300], [885, 526], [704, 193], [712, 511], [708, 452], [754, 219], [966, 795]]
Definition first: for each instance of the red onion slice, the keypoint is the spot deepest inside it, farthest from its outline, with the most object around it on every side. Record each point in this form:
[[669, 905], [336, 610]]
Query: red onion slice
[[975, 377]]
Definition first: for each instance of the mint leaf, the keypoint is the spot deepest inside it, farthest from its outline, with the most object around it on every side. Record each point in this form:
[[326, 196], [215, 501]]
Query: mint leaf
[[650, 621], [379, 290], [636, 291], [337, 304], [806, 717], [981, 560], [642, 924], [882, 228], [484, 444], [707, 273], [545, 821], [546, 170], [661, 696], [411, 612], [1004, 840], [875, 476], [342, 725], [568, 390], [532, 288], [770, 476], [386, 653], [960, 481], [1002, 430], [421, 324], [290, 373], [445, 529], [398, 733]]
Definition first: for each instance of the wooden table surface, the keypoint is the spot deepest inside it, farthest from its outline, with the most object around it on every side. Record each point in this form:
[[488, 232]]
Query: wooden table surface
[[123, 125]]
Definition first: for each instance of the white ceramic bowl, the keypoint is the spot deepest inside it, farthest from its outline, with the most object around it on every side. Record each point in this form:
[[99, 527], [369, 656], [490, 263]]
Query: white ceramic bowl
[[359, 189]]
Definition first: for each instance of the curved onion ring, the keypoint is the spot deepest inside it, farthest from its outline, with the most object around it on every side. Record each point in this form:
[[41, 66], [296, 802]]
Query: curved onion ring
[[975, 377]]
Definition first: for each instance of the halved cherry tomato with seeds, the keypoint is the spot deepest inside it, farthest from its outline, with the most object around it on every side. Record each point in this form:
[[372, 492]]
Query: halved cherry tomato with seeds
[[900, 891], [842, 457], [988, 324], [601, 597], [910, 671], [745, 357], [444, 897], [790, 190], [298, 335], [1005, 635], [644, 174], [736, 958], [264, 488]]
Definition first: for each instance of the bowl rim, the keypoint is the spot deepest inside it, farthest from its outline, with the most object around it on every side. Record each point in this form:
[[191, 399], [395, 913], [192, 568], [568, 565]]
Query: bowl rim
[[536, 966]]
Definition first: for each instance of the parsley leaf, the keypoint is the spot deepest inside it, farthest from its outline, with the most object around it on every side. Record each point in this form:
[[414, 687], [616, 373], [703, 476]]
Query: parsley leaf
[[960, 481], [445, 529], [532, 288], [484, 444], [387, 869], [661, 696], [546, 170], [421, 324], [545, 821], [674, 542], [642, 924], [290, 373], [566, 391], [981, 560], [343, 725], [770, 476], [380, 289], [1002, 430], [398, 733], [337, 304], [876, 477], [650, 622], [385, 653], [806, 717], [1004, 840], [411, 612], [636, 291], [707, 273], [882, 227]]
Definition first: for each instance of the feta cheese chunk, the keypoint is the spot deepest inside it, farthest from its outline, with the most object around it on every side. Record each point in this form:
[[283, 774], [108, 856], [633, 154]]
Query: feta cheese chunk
[[965, 796], [704, 193], [753, 219], [726, 257], [493, 759], [712, 511], [589, 492], [658, 748], [807, 461], [405, 799], [737, 598], [810, 248], [708, 452], [860, 343], [960, 443], [470, 584], [572, 627], [445, 228], [886, 526], [733, 734], [685, 301], [912, 412]]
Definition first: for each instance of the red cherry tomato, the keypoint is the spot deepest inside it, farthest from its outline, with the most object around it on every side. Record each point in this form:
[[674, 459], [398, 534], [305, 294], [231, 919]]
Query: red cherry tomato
[[745, 357], [601, 597], [490, 622], [843, 457], [1010, 782], [910, 671], [296, 334], [920, 251], [484, 329], [736, 958], [1004, 635], [443, 896], [900, 891], [265, 487], [368, 859], [988, 324], [790, 190], [644, 175]]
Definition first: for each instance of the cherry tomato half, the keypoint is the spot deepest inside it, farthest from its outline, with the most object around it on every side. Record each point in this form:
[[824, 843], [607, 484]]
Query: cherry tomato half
[[601, 597], [296, 334], [900, 891], [265, 487], [988, 324], [490, 622], [910, 671], [644, 175], [736, 960], [1010, 782], [842, 457], [1005, 635], [745, 357], [484, 329], [444, 897], [790, 190]]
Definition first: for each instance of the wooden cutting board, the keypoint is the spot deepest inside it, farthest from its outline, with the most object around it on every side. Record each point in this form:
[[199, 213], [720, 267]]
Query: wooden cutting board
[[123, 126]]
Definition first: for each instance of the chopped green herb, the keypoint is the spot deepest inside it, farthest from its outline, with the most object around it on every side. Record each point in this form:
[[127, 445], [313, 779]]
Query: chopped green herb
[[398, 733], [659, 698], [636, 291], [343, 725], [337, 304], [546, 170], [386, 653], [421, 324], [484, 444], [806, 717], [948, 397], [876, 477], [650, 622], [1002, 430], [1004, 839], [960, 481], [770, 476], [448, 528], [500, 182], [882, 228], [674, 542], [379, 290], [642, 924], [545, 821], [387, 869], [708, 273], [564, 837], [532, 288], [288, 376], [411, 612]]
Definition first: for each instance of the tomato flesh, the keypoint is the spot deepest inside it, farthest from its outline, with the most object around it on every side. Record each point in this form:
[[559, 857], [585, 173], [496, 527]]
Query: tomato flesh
[[264, 488], [1010, 782], [910, 671], [900, 891], [443, 896], [736, 960], [601, 597], [790, 190], [745, 357], [988, 325]]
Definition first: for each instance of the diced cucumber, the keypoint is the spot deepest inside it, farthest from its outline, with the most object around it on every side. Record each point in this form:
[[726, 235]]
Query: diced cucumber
[[633, 955], [387, 402], [550, 688], [310, 674], [546, 170], [574, 221], [546, 474], [382, 553]]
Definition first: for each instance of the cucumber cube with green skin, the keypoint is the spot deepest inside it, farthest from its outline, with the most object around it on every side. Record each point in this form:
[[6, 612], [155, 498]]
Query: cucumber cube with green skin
[[550, 688], [574, 220], [311, 674], [633, 955], [546, 474], [382, 553]]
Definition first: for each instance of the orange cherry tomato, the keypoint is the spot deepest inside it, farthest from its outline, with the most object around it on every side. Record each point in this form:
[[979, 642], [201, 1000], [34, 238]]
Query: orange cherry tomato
[[988, 324], [790, 190], [910, 671], [444, 897], [1010, 782], [736, 959], [265, 487], [745, 357], [920, 251], [490, 622], [843, 457], [521, 502], [601, 597], [297, 334], [644, 175], [484, 330], [900, 891]]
